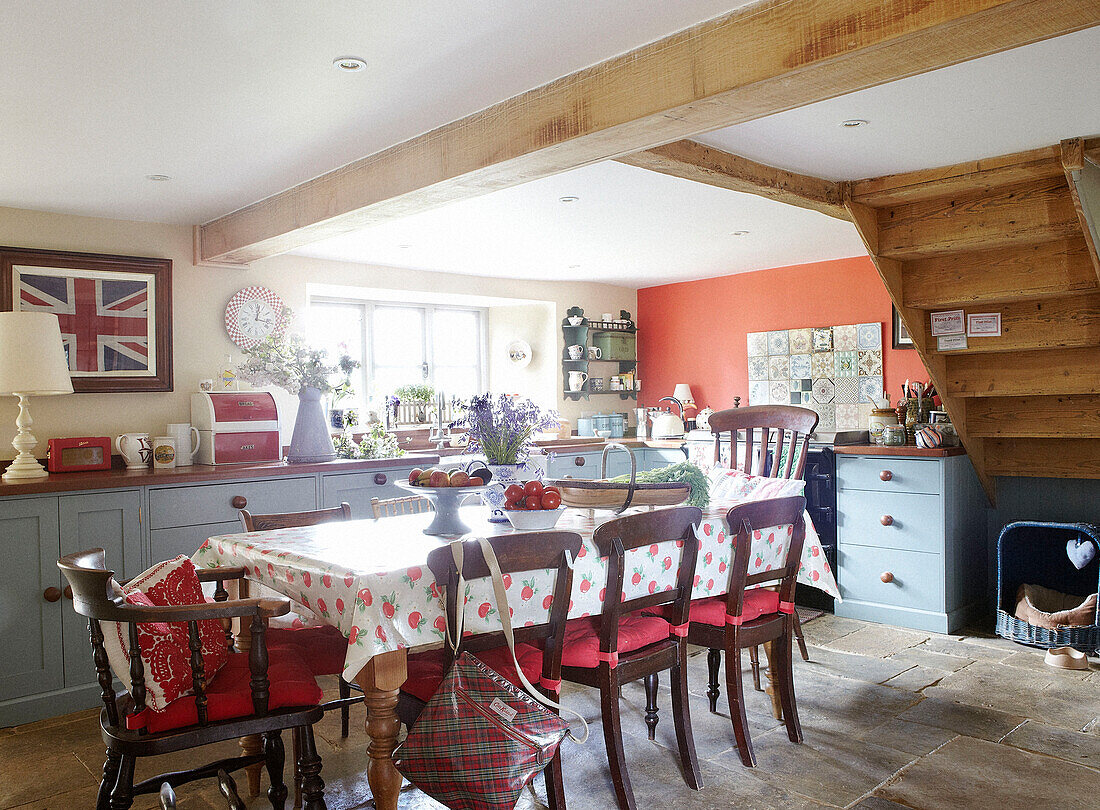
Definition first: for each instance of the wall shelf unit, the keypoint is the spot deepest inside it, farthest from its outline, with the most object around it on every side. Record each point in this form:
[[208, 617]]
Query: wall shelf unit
[[604, 334]]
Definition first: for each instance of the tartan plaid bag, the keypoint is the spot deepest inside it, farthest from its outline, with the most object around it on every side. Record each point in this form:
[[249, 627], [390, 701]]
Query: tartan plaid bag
[[480, 740]]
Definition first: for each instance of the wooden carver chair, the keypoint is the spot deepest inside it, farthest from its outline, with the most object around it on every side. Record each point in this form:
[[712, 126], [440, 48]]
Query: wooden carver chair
[[226, 786], [749, 618], [784, 432], [621, 645], [538, 647], [185, 723], [392, 507], [323, 647]]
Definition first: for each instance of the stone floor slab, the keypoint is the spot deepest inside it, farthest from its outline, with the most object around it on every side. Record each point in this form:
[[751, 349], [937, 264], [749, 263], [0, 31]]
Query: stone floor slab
[[912, 738], [916, 678], [974, 721], [981, 775], [828, 627], [1072, 746], [924, 657], [878, 640]]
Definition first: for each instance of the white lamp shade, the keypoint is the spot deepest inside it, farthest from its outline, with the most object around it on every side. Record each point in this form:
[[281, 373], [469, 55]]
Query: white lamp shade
[[32, 356], [683, 393]]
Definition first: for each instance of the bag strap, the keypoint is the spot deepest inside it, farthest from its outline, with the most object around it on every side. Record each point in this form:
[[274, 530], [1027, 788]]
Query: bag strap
[[503, 611]]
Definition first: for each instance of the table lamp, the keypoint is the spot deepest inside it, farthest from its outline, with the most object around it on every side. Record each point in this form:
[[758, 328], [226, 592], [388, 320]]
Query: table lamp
[[683, 393], [32, 363]]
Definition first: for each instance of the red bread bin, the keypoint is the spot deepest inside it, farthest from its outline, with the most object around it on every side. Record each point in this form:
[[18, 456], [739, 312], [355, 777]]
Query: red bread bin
[[236, 427]]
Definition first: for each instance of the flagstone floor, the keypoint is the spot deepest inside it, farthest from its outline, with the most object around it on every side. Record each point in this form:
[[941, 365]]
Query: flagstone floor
[[892, 718]]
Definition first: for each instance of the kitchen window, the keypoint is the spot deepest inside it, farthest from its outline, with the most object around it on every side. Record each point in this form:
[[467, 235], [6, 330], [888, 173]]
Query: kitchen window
[[401, 344]]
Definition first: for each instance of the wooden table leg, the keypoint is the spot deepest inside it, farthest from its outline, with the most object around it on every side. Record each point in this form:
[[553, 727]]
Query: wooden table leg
[[777, 708], [381, 681]]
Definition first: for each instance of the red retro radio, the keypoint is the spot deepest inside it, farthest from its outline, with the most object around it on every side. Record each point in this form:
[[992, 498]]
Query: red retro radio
[[236, 427], [79, 454]]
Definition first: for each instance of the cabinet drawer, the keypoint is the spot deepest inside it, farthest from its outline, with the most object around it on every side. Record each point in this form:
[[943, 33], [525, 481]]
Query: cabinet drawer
[[357, 489], [917, 578], [889, 474], [164, 544], [213, 503], [915, 521], [582, 465]]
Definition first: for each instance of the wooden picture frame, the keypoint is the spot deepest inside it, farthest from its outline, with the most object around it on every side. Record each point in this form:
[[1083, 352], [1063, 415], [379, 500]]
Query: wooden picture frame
[[899, 335], [115, 313]]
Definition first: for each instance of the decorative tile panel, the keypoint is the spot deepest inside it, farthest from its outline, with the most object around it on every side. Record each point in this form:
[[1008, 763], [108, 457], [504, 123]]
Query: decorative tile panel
[[847, 364], [780, 393], [847, 417], [870, 362], [845, 338], [758, 368], [823, 339], [758, 343], [869, 387], [826, 412], [823, 390], [778, 343], [846, 390], [801, 341], [870, 336], [779, 368], [800, 365], [822, 365], [759, 393]]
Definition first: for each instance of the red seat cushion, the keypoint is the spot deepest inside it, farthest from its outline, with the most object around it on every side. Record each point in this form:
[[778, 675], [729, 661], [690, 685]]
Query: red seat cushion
[[758, 602], [322, 648], [426, 669], [228, 693], [582, 637]]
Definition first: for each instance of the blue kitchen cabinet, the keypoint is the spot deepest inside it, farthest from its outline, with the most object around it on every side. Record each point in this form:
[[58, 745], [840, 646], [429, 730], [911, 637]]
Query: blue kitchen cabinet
[[357, 489]]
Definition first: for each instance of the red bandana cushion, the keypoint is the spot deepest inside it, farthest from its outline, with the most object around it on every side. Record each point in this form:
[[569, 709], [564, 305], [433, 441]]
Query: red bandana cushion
[[165, 653]]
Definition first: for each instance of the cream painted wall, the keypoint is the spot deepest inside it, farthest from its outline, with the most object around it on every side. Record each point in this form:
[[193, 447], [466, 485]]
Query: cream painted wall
[[200, 295]]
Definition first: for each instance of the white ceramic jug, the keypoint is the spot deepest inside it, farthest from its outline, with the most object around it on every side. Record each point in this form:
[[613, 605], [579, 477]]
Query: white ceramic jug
[[577, 380], [135, 450], [187, 442]]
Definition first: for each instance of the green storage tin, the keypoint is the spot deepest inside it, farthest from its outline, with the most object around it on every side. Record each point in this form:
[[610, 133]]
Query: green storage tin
[[616, 347]]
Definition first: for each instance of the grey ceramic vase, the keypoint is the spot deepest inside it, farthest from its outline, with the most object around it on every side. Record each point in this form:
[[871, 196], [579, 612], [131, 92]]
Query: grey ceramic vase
[[311, 442]]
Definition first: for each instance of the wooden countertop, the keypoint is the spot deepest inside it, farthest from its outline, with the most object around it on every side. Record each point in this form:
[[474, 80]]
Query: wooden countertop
[[198, 473], [587, 444], [904, 450]]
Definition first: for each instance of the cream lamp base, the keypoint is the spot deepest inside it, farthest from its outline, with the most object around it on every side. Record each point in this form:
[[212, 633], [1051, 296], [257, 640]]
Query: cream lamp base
[[25, 466]]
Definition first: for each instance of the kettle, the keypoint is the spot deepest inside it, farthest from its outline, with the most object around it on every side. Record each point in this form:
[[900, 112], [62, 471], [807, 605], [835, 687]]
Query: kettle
[[666, 424]]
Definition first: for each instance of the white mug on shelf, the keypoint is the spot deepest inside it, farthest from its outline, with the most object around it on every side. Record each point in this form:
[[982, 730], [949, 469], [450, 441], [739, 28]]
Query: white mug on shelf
[[594, 353], [164, 453], [576, 352], [608, 317], [187, 442], [135, 450], [577, 380]]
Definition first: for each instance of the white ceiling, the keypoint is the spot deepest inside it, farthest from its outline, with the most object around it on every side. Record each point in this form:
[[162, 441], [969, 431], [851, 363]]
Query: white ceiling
[[629, 226], [1016, 100], [237, 100]]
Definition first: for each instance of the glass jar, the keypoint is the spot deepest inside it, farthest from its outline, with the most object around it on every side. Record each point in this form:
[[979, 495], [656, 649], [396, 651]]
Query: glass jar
[[893, 435], [879, 419]]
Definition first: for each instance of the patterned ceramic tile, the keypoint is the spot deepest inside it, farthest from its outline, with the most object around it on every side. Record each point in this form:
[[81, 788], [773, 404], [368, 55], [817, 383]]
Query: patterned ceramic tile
[[804, 384], [758, 368], [870, 362], [778, 342], [800, 365], [801, 341], [800, 398], [759, 393], [778, 368], [823, 339], [822, 365], [780, 393], [847, 417], [865, 415], [823, 390], [870, 336], [869, 387], [826, 412], [845, 338], [758, 343], [846, 364], [846, 390]]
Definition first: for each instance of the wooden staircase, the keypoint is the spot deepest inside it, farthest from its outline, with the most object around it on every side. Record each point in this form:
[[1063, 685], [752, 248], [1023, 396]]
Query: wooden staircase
[[1003, 235]]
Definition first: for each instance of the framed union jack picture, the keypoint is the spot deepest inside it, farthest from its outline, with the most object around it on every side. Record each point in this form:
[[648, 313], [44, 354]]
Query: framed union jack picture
[[115, 313]]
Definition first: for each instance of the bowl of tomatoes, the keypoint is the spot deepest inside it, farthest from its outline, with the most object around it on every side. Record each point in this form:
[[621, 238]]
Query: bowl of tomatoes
[[531, 506]]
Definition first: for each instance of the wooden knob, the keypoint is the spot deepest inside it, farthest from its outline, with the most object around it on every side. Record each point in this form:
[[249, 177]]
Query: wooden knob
[[68, 591], [239, 502], [886, 520], [51, 594], [579, 461], [886, 475], [886, 576], [380, 478]]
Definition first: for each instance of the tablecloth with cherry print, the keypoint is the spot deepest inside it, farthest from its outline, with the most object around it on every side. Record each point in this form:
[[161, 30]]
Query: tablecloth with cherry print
[[369, 578]]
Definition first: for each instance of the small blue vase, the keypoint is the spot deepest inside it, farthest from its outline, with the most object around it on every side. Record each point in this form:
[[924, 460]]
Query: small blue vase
[[311, 442], [504, 475]]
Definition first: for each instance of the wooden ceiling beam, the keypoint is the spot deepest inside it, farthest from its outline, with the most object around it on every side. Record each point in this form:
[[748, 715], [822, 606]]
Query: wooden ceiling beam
[[694, 161], [761, 59]]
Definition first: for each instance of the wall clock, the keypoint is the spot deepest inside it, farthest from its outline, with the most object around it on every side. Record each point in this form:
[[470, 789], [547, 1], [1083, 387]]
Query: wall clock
[[254, 314]]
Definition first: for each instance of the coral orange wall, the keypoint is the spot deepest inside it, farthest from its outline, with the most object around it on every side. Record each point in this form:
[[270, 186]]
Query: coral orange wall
[[695, 331]]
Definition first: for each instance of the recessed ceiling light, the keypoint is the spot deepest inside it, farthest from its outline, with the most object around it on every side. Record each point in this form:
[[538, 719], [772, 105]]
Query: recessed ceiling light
[[349, 64], [568, 199], [574, 266], [405, 246], [739, 233], [852, 123], [160, 178]]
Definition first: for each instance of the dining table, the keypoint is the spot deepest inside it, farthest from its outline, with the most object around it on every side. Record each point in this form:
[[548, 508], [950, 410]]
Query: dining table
[[369, 578]]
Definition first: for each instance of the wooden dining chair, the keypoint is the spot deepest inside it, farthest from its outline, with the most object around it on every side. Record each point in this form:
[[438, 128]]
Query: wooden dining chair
[[259, 692], [747, 618], [226, 786], [393, 507], [776, 438], [324, 647], [622, 645], [538, 647]]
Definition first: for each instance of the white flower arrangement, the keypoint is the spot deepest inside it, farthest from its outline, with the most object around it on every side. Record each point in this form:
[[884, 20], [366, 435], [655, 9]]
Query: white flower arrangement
[[288, 363]]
